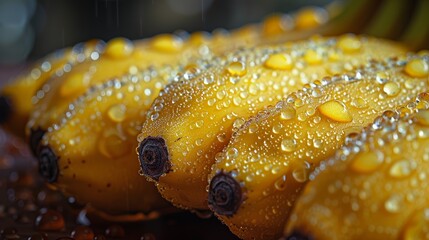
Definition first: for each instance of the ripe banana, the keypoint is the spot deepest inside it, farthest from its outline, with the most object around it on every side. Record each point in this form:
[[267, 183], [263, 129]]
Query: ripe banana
[[89, 154], [16, 98], [258, 176], [192, 120], [374, 187], [121, 56]]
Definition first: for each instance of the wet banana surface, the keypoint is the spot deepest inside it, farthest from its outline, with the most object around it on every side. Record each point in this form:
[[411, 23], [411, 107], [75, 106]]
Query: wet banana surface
[[29, 209], [194, 117], [374, 187], [90, 153], [34, 94], [17, 97], [119, 57], [259, 175]]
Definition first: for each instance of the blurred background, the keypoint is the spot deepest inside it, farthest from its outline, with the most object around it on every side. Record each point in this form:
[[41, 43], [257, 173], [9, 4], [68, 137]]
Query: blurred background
[[30, 29]]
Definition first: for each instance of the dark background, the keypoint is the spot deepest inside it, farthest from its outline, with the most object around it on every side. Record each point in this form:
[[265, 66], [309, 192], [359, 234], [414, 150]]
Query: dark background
[[30, 29]]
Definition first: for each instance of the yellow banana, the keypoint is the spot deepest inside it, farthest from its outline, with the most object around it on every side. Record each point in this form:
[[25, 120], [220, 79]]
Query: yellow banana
[[258, 176], [122, 56], [374, 187], [193, 120], [16, 97], [89, 153]]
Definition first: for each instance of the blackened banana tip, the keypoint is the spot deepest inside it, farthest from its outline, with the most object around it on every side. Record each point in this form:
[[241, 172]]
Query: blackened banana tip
[[154, 158], [225, 194], [5, 109], [36, 136], [48, 164], [297, 235]]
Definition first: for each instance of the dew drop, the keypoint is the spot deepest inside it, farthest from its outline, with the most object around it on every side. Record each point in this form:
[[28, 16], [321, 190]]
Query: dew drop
[[117, 112], [402, 168], [336, 111], [287, 113], [279, 62], [367, 162], [288, 145], [280, 183], [119, 48], [236, 69], [301, 173], [391, 89], [417, 68], [312, 57], [393, 203], [349, 44]]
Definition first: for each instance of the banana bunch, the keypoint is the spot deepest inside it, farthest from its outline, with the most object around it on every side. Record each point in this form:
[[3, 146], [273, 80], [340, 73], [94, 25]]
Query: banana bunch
[[259, 175], [192, 121], [42, 93], [17, 98], [374, 187], [107, 95], [239, 122]]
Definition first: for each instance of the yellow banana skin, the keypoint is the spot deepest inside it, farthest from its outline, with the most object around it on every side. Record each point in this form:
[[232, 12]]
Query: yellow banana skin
[[122, 56], [259, 175], [89, 154], [17, 97], [374, 187], [192, 120]]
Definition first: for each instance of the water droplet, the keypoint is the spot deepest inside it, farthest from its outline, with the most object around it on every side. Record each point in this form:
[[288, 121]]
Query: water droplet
[[119, 48], [393, 204], [382, 77], [279, 62], [167, 43], [367, 162], [402, 168], [74, 84], [391, 88], [221, 137], [336, 111], [288, 145], [236, 69], [280, 183], [312, 57], [116, 113], [349, 43], [50, 220], [301, 173], [253, 127], [238, 122], [287, 113], [277, 128], [82, 233], [359, 103], [417, 68], [231, 153]]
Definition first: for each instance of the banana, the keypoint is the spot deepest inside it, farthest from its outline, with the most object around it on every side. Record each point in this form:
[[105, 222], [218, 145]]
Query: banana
[[259, 175], [122, 56], [374, 187], [88, 153], [16, 97], [192, 120]]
